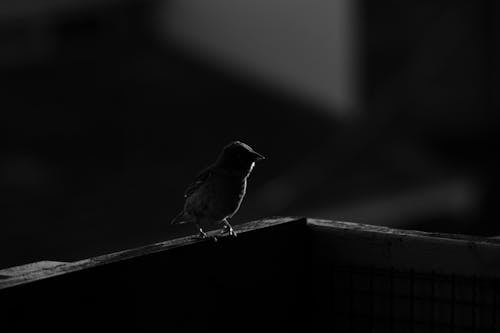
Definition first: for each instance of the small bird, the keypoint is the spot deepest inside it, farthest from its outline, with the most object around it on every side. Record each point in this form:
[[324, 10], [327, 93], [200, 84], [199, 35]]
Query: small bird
[[217, 192]]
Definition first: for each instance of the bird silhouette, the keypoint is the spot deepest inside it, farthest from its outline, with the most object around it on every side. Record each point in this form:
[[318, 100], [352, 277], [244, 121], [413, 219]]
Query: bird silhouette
[[216, 194]]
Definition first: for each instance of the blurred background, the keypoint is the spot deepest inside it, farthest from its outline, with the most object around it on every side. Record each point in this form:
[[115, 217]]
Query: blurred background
[[372, 112]]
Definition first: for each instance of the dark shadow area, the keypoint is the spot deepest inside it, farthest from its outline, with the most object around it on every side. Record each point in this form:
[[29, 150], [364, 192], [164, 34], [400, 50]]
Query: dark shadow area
[[104, 124], [103, 137]]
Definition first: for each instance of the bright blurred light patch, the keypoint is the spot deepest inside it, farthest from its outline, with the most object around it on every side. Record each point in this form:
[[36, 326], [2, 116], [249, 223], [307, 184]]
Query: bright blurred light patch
[[304, 47], [453, 198]]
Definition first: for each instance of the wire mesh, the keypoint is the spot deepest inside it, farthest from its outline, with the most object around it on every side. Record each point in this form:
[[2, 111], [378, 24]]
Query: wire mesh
[[390, 300]]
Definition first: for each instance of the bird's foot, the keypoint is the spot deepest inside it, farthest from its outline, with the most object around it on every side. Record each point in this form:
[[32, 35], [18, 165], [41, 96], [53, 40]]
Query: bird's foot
[[203, 235], [229, 229]]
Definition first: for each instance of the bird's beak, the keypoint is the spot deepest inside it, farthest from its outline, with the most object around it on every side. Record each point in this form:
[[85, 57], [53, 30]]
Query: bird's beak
[[257, 156]]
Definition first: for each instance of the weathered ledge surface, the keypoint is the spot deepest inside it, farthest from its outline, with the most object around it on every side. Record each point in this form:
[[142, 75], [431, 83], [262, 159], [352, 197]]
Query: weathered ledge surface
[[347, 243], [17, 275]]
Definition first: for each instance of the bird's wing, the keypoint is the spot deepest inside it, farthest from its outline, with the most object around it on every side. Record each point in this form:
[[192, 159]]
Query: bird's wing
[[200, 180]]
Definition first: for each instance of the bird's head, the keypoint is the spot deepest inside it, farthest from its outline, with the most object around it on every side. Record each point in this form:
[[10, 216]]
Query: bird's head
[[238, 155]]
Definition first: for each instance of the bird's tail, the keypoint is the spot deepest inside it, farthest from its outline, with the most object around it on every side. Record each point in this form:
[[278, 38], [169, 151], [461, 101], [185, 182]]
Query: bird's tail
[[181, 218]]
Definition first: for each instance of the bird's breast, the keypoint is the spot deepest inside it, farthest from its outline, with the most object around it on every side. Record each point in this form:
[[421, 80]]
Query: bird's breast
[[218, 198], [230, 192]]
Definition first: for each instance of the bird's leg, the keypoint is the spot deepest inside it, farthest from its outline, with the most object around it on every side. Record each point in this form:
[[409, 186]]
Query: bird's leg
[[202, 234], [228, 228]]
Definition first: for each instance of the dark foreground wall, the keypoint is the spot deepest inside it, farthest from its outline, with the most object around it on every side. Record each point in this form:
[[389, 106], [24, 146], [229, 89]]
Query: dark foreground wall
[[250, 283], [277, 275]]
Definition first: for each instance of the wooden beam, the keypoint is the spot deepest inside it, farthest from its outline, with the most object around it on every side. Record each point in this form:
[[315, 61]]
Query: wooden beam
[[354, 244], [181, 285], [45, 269]]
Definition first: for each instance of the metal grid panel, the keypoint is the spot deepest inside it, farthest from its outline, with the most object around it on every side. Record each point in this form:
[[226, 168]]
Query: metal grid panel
[[388, 300]]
